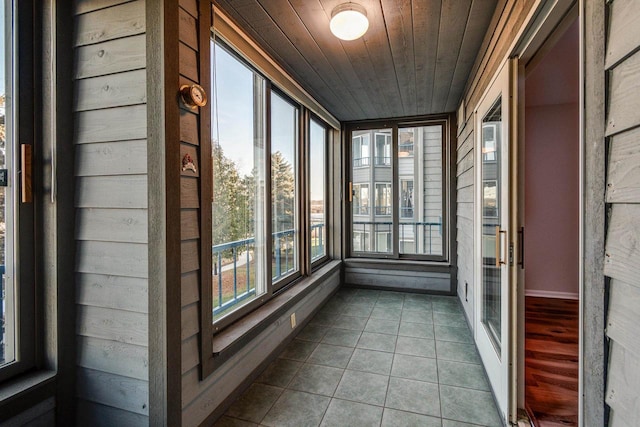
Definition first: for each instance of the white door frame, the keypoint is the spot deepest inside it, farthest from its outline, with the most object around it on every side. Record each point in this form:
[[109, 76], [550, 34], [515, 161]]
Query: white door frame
[[496, 366]]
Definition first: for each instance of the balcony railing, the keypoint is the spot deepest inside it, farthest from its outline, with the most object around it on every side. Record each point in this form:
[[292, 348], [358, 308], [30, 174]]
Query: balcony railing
[[427, 229], [359, 162], [242, 253], [383, 161]]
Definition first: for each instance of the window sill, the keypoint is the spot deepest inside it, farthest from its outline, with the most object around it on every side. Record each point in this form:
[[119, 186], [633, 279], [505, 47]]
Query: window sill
[[227, 342], [25, 391]]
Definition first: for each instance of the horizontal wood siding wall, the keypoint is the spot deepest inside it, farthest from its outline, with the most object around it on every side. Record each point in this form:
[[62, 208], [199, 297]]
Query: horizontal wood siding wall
[[622, 253], [40, 415], [111, 215], [381, 276], [505, 24]]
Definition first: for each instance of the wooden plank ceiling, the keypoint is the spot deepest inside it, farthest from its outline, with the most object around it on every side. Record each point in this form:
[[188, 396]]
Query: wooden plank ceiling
[[414, 59]]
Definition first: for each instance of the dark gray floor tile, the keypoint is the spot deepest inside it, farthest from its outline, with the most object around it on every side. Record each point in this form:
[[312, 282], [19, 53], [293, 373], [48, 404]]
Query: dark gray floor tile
[[417, 316], [395, 418], [351, 323], [343, 413], [413, 396], [233, 422], [450, 319], [382, 312], [365, 301], [447, 306], [298, 350], [451, 423], [416, 330], [368, 293], [334, 305], [316, 379], [312, 333], [358, 310], [381, 342], [279, 372], [458, 352], [383, 326], [297, 409], [416, 347], [254, 403], [377, 362], [451, 333], [462, 375], [323, 318], [331, 355], [417, 305], [363, 387], [472, 406], [415, 368], [345, 293], [343, 337]]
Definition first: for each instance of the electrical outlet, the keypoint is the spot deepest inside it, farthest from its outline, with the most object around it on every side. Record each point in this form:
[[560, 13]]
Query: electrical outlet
[[293, 320]]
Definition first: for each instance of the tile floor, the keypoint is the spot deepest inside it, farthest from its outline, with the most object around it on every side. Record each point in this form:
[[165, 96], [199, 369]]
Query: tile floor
[[374, 358]]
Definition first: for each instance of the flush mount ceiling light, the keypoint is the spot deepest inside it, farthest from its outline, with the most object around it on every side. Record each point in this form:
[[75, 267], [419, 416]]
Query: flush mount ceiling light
[[349, 21]]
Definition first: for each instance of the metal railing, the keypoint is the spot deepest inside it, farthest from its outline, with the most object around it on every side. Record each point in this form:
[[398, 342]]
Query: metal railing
[[425, 229], [242, 253], [361, 161], [383, 161]]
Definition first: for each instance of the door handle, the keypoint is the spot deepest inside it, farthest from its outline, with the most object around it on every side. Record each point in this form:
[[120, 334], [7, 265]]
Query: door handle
[[25, 170], [521, 248], [499, 233]]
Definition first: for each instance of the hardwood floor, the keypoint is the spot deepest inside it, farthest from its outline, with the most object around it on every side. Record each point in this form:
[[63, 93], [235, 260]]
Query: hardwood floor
[[551, 361]]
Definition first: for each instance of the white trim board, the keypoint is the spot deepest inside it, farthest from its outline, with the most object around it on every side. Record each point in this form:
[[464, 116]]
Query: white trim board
[[551, 294]]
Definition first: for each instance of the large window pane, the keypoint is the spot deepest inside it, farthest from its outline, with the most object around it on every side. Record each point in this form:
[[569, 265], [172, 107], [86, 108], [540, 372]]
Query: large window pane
[[238, 208], [284, 185], [7, 291], [372, 197], [420, 190], [317, 180]]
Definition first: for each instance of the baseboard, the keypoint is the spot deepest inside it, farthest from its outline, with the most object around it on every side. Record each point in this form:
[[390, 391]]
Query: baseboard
[[550, 294]]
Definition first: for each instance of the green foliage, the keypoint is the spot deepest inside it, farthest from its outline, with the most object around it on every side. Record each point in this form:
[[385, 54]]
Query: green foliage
[[282, 193]]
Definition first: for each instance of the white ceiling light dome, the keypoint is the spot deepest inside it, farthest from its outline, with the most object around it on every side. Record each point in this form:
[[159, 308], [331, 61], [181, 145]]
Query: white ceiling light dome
[[349, 21]]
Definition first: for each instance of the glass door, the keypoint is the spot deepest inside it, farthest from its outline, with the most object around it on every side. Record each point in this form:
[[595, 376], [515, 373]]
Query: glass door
[[492, 236]]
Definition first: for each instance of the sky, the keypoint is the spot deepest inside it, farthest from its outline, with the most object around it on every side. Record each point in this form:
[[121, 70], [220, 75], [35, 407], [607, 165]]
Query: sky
[[233, 123]]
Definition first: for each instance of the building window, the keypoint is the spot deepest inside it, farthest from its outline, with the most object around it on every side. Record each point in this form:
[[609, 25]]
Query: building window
[[261, 241], [317, 189], [489, 134], [406, 198], [383, 148], [361, 199], [361, 153], [405, 143], [383, 199], [409, 196]]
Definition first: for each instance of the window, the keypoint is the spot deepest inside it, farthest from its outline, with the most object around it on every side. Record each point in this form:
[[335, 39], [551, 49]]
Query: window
[[405, 143], [239, 190], [361, 150], [383, 148], [361, 199], [317, 190], [285, 229], [17, 279], [263, 184], [409, 196], [383, 199], [406, 198], [489, 131]]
